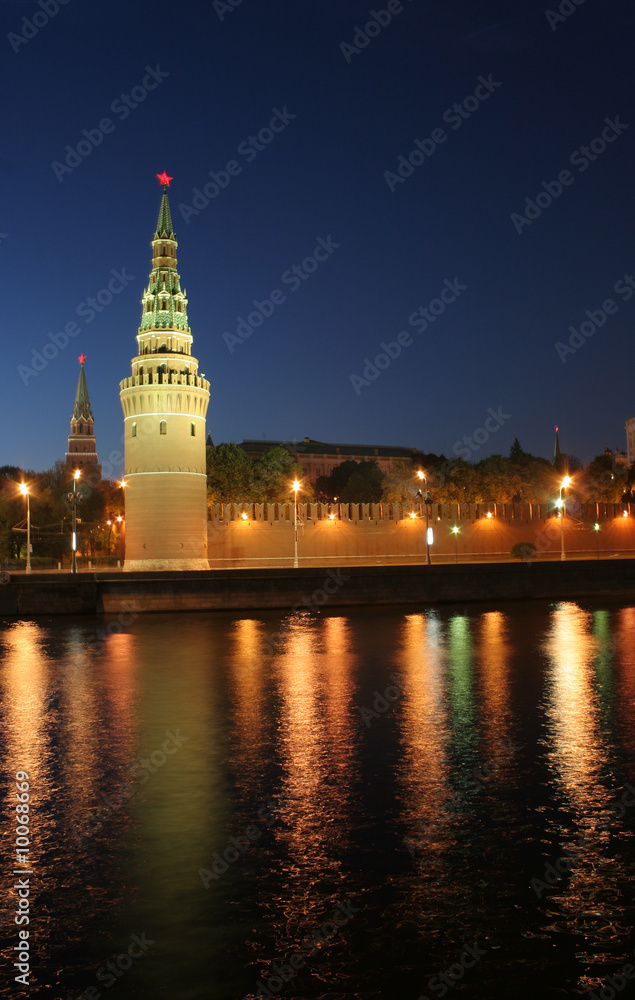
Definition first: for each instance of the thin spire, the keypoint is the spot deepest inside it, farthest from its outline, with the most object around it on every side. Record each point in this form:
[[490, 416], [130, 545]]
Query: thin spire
[[557, 454], [164, 224], [82, 402]]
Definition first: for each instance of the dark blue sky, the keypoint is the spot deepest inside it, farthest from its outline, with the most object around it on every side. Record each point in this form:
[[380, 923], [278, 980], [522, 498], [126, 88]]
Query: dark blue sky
[[218, 75]]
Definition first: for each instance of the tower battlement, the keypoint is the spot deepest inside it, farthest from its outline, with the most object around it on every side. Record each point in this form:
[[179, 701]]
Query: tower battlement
[[159, 378]]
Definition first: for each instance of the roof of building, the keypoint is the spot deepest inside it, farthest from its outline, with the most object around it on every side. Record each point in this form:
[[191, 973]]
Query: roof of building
[[310, 447]]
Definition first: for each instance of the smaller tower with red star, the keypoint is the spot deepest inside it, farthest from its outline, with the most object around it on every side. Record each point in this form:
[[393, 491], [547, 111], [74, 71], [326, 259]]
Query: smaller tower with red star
[[82, 446]]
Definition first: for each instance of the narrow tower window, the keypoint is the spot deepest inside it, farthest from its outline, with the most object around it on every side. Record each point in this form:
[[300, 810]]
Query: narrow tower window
[[193, 429], [134, 428], [163, 427]]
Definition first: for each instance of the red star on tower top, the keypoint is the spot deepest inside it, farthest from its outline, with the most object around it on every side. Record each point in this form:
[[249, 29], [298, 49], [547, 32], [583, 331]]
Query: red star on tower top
[[164, 179], [81, 359]]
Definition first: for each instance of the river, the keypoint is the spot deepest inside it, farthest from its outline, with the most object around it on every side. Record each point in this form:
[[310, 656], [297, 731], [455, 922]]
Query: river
[[379, 802]]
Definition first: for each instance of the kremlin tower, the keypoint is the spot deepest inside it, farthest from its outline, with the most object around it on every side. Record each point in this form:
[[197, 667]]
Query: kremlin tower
[[82, 447], [164, 404]]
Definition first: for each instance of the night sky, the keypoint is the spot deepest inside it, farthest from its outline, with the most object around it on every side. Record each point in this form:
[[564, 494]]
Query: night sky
[[207, 77]]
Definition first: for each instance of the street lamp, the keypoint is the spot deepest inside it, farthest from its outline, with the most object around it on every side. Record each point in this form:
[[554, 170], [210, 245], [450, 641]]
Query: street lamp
[[422, 477], [73, 499], [596, 528], [24, 490], [455, 532], [296, 487], [563, 485]]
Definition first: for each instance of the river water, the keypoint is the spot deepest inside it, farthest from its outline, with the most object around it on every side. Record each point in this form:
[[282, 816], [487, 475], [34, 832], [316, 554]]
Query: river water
[[369, 803]]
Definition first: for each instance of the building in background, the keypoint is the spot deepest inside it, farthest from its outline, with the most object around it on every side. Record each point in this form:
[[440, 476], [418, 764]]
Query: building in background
[[164, 403], [82, 445], [319, 458], [630, 440]]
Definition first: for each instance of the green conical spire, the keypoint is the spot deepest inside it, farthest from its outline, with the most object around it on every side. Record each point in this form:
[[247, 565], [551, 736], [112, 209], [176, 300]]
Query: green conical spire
[[557, 455], [82, 402], [164, 224]]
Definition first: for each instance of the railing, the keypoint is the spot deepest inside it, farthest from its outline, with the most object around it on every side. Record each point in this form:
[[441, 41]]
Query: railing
[[164, 378]]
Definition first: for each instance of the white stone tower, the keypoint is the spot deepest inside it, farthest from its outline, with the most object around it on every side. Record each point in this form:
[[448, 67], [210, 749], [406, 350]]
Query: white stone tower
[[164, 404]]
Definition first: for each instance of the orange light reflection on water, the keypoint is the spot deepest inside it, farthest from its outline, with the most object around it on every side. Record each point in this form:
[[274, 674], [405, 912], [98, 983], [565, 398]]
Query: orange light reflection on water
[[314, 678], [577, 754], [24, 681], [493, 654], [424, 718], [248, 670]]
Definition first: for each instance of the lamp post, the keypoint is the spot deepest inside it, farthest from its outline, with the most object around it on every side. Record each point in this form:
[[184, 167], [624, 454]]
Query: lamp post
[[422, 477], [596, 528], [296, 487], [73, 500], [455, 532], [24, 490], [563, 485]]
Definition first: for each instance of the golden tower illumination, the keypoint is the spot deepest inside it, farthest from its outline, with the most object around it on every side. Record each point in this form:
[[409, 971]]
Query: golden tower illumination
[[164, 404]]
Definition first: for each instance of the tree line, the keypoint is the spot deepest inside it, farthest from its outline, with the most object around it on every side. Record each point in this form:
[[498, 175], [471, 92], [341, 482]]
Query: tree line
[[518, 477], [51, 515]]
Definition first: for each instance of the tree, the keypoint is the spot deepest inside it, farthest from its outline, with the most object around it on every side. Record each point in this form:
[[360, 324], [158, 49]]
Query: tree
[[603, 481], [352, 482], [272, 477], [401, 484], [364, 485], [516, 453], [496, 479], [228, 474]]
